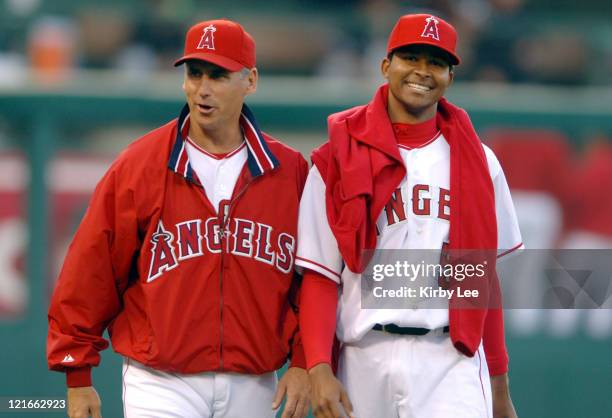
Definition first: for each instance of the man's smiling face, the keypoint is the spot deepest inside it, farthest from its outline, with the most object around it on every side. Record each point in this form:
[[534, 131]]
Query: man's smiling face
[[418, 77]]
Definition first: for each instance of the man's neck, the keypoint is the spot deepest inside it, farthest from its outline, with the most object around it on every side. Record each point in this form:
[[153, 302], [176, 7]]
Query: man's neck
[[217, 141], [399, 114]]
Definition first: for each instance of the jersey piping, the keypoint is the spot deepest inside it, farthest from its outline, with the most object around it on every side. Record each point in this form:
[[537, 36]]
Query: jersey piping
[[424, 144], [213, 155]]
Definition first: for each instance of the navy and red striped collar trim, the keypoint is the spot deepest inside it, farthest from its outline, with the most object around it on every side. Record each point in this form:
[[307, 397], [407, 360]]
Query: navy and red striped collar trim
[[179, 161], [260, 159]]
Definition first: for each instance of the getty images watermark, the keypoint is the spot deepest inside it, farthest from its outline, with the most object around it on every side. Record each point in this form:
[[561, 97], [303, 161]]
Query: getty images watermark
[[425, 272], [529, 279]]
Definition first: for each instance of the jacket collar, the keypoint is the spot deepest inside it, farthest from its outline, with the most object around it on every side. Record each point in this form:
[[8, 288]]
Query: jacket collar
[[260, 159]]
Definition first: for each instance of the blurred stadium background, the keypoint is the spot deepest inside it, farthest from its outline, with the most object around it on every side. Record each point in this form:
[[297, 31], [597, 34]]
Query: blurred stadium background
[[80, 80]]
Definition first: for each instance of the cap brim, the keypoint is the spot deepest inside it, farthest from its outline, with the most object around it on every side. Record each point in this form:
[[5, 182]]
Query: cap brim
[[222, 62], [454, 59]]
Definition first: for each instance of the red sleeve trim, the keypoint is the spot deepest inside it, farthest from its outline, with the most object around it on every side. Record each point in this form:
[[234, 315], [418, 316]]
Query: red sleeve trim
[[510, 250], [319, 265], [497, 366], [322, 360], [78, 377]]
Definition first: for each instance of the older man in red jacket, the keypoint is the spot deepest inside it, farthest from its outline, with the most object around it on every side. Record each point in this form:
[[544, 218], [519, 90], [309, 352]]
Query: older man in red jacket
[[184, 260]]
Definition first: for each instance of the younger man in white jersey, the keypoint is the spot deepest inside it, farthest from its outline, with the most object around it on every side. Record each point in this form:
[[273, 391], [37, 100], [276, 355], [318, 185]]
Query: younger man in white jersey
[[406, 171]]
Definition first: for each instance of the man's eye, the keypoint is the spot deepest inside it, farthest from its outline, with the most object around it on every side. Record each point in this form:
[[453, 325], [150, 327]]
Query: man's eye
[[194, 73], [216, 75]]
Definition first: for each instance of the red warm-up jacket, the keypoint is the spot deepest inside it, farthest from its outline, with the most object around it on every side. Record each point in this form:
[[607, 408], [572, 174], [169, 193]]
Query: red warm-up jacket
[[180, 287]]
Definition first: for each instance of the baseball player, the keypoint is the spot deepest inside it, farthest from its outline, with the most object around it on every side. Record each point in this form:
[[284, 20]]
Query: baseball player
[[184, 260], [405, 171]]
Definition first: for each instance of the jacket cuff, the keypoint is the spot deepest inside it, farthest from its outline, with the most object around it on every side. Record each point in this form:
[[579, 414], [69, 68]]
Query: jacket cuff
[[78, 377], [298, 359]]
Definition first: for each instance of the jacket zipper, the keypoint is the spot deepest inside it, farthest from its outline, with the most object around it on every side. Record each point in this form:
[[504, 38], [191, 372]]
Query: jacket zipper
[[224, 242], [225, 218], [222, 232]]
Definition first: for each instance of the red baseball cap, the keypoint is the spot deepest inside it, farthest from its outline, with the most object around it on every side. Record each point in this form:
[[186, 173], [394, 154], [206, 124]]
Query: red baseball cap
[[424, 29], [221, 42]]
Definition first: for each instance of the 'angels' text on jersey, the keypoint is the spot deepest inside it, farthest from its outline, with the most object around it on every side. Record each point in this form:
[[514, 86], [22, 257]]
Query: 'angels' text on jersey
[[240, 237], [423, 200]]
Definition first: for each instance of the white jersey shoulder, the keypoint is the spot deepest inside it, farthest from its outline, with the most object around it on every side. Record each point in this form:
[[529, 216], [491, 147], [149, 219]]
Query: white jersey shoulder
[[319, 250], [492, 161], [509, 237]]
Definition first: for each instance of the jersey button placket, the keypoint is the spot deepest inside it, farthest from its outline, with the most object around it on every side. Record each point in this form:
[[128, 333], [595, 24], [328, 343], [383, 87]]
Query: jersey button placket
[[415, 163], [220, 187]]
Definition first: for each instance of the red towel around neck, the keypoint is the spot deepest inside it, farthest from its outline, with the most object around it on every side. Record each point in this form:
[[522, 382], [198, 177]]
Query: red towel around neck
[[361, 167]]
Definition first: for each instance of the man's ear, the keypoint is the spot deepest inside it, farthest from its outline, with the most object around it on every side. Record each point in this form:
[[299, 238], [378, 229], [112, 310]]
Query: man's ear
[[185, 69], [252, 78], [384, 67]]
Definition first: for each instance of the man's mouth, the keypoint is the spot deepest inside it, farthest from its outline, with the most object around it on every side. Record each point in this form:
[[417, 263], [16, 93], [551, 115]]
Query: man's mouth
[[419, 87], [205, 109]]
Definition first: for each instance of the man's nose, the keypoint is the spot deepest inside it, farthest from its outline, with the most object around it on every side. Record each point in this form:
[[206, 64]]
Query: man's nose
[[204, 89], [422, 67]]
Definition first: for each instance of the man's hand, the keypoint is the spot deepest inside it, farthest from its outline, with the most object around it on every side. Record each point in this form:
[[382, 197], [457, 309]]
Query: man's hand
[[84, 402], [502, 403], [296, 386], [329, 398]]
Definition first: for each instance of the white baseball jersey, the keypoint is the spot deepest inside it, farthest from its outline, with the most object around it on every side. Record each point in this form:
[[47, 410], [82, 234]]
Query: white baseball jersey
[[416, 217]]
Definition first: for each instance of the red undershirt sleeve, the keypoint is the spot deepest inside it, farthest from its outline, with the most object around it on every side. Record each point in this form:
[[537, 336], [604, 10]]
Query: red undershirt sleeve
[[493, 337], [318, 303]]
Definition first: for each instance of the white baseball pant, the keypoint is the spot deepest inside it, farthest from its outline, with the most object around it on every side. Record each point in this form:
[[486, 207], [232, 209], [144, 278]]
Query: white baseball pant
[[406, 376], [152, 393]]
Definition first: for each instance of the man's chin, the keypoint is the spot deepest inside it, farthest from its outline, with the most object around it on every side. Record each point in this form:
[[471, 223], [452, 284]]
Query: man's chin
[[205, 121], [417, 107], [205, 124]]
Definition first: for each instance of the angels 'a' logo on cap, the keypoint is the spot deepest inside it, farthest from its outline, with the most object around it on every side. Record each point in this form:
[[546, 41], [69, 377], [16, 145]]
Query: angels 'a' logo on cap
[[208, 38], [431, 28]]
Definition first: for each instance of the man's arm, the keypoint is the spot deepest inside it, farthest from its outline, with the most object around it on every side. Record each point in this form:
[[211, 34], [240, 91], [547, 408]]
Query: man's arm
[[320, 258], [494, 342], [295, 385], [497, 359], [318, 322], [493, 338], [87, 295], [502, 403]]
